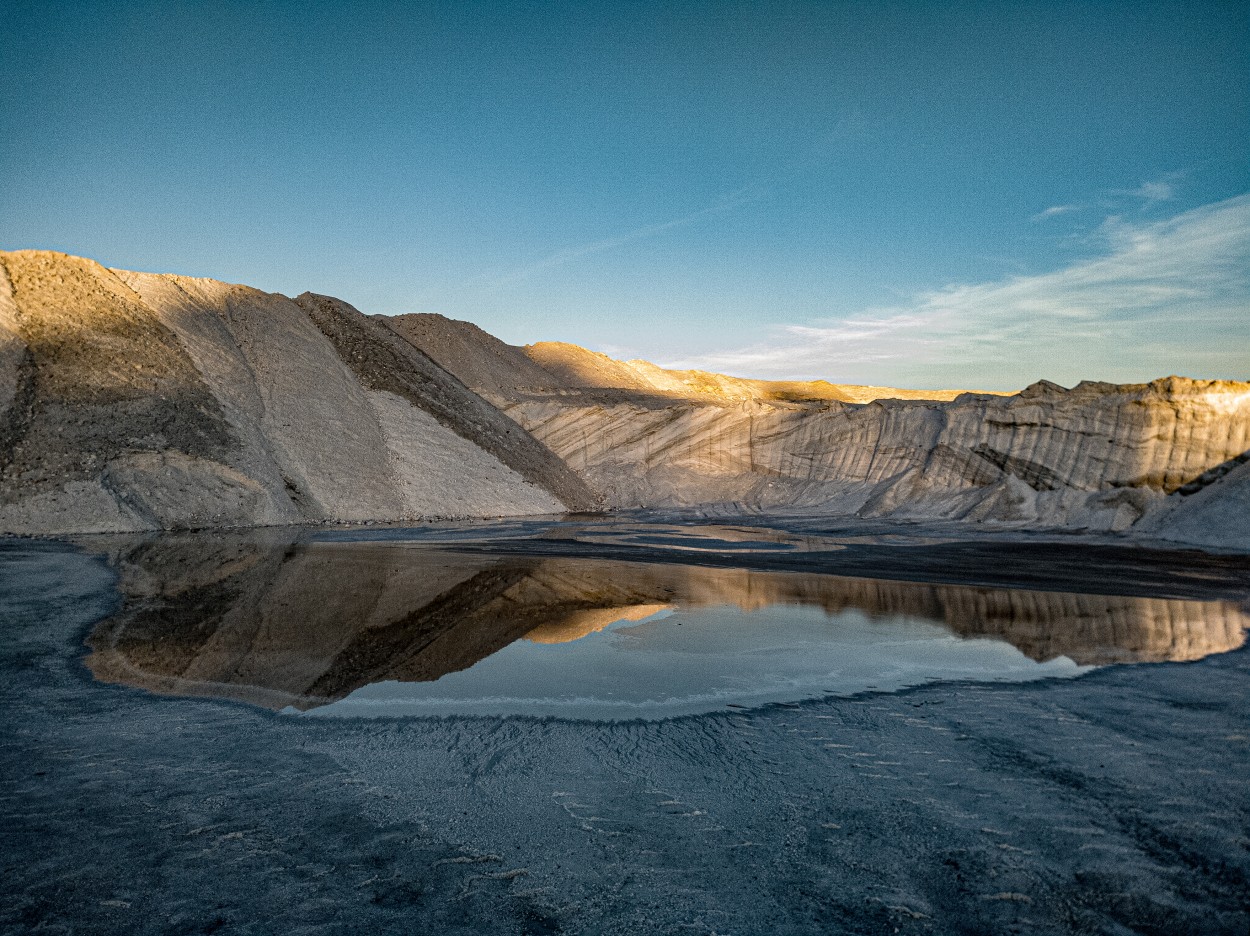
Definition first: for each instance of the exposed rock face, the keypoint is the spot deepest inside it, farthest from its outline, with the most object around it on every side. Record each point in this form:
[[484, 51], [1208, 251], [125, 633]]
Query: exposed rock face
[[1098, 456], [260, 619], [139, 401]]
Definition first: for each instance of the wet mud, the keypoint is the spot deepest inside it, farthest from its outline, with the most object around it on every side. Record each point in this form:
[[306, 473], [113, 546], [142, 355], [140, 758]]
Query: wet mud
[[1111, 803]]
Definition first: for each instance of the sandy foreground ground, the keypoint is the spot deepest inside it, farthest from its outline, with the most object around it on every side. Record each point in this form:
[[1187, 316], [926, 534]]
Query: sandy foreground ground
[[1117, 802]]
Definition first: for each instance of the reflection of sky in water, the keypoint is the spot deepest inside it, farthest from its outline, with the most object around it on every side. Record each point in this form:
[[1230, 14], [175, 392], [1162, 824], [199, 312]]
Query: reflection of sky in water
[[398, 627], [679, 662]]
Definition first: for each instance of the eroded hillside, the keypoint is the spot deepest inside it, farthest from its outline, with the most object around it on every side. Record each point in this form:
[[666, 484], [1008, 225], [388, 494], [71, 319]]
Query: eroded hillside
[[133, 401], [1098, 456], [143, 401]]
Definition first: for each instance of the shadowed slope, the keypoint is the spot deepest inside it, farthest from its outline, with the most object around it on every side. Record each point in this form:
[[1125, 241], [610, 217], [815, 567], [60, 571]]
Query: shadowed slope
[[103, 397], [1099, 456], [138, 401], [1215, 514], [383, 362], [480, 360]]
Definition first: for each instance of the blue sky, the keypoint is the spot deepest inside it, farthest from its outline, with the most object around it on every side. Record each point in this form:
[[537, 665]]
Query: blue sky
[[915, 194]]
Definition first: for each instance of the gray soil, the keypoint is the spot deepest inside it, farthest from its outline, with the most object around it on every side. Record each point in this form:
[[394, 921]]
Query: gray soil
[[382, 361], [495, 369], [110, 380], [1113, 803]]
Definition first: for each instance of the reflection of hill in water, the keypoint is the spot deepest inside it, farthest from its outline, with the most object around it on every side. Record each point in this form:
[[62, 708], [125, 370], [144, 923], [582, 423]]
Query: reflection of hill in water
[[276, 624]]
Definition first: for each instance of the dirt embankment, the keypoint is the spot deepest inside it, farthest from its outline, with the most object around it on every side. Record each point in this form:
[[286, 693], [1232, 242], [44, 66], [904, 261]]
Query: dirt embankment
[[136, 401], [1164, 458], [133, 401]]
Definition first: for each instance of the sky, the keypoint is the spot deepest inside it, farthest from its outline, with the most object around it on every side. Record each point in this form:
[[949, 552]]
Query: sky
[[912, 194]]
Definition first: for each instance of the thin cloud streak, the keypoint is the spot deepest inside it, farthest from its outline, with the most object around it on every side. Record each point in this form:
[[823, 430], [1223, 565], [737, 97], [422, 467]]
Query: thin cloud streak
[[1166, 297], [735, 200], [1053, 211], [1147, 195]]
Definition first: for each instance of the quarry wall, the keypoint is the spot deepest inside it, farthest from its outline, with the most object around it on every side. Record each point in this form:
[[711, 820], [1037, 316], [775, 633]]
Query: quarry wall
[[137, 401]]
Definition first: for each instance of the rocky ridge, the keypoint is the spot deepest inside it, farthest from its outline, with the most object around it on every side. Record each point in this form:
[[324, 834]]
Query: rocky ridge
[[578, 368], [501, 372]]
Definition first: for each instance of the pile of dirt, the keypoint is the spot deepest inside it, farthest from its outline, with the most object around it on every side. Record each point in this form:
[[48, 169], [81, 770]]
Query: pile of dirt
[[134, 401]]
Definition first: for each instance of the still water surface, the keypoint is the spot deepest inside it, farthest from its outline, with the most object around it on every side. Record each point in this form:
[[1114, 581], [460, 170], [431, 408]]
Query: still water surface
[[406, 629]]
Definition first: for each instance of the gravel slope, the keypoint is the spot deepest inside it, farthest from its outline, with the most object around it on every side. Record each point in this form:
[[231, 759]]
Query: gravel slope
[[132, 401]]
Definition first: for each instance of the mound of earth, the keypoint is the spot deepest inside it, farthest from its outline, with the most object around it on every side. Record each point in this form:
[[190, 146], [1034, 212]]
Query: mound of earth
[[137, 401], [134, 401], [502, 372], [1099, 456]]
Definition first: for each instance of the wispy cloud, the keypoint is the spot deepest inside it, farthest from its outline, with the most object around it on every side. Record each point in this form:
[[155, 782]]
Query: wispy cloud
[[569, 254], [1054, 211], [1145, 196], [1160, 190], [1165, 297]]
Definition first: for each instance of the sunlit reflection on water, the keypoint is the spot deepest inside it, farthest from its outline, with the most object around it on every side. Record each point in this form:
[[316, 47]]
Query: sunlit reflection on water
[[388, 628]]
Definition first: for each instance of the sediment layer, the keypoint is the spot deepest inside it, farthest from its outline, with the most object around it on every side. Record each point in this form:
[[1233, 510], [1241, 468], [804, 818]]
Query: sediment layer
[[133, 401], [1161, 456]]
